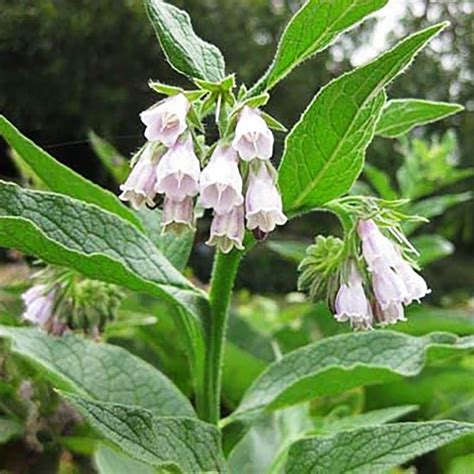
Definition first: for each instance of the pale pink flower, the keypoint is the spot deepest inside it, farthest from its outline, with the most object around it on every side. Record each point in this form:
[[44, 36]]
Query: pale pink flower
[[166, 121], [177, 173], [227, 230], [139, 188], [388, 287], [39, 304], [178, 215], [393, 313], [253, 137], [263, 205], [221, 183], [415, 284]]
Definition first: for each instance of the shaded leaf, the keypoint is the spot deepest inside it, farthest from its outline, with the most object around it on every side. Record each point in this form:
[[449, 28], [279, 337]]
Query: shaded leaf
[[432, 247], [9, 429], [380, 181], [112, 461]]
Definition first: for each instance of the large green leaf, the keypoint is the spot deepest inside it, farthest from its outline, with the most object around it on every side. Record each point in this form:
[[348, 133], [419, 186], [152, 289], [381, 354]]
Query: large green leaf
[[324, 152], [313, 28], [96, 243], [184, 443], [185, 51], [340, 363], [401, 115], [101, 371], [60, 178], [112, 461], [373, 449]]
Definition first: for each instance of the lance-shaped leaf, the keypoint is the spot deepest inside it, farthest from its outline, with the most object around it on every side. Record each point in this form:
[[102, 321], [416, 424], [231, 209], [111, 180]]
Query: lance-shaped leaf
[[101, 371], [324, 153], [60, 178], [313, 28], [185, 51], [373, 449], [186, 444], [400, 116], [340, 363], [100, 245]]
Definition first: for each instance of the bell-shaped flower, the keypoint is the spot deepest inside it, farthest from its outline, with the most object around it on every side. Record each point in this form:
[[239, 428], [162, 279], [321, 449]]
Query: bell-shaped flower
[[352, 304], [39, 302], [393, 313], [415, 284], [227, 230], [253, 138], [166, 121], [377, 249], [177, 173], [388, 287], [263, 204], [221, 183], [178, 215], [139, 188]]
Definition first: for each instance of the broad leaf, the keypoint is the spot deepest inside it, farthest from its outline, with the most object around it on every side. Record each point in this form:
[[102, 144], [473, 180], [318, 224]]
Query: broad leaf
[[373, 449], [60, 178], [340, 363], [185, 51], [432, 247], [181, 443], [101, 371], [400, 116], [313, 28], [113, 461], [324, 152]]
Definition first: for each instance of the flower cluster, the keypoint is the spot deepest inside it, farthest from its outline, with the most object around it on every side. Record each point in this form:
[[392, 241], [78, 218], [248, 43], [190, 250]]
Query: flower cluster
[[394, 283], [168, 165]]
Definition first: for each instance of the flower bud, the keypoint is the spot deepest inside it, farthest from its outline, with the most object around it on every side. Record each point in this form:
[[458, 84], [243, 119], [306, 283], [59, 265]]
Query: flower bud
[[166, 121], [253, 138], [39, 304], [227, 230], [178, 215], [221, 183], [388, 287], [263, 205], [177, 173], [415, 284]]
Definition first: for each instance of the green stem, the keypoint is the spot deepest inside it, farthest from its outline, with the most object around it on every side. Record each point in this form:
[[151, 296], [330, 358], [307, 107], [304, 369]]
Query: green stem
[[222, 282]]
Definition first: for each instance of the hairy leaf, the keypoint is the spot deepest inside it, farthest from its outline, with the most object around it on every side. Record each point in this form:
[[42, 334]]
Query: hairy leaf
[[372, 449], [401, 115], [324, 152], [113, 461], [101, 371], [185, 51]]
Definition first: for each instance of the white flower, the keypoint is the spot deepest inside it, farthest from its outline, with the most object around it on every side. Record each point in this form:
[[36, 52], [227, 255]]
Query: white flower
[[221, 183], [177, 173], [166, 121], [263, 205], [415, 284], [352, 304], [178, 215], [390, 315], [39, 304], [139, 188], [388, 287], [227, 230], [253, 138]]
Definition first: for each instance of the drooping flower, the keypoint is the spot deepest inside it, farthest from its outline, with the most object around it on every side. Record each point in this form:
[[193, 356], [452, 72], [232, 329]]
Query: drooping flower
[[263, 204], [351, 302], [39, 302], [393, 313], [415, 284], [253, 137], [178, 215], [388, 287], [221, 183], [166, 121], [177, 173], [139, 188], [227, 230]]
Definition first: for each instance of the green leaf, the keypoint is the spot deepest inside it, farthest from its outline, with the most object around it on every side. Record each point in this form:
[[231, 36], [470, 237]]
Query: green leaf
[[340, 363], [313, 28], [101, 371], [112, 461], [380, 181], [432, 247], [373, 449], [60, 178], [185, 51], [9, 429], [324, 152], [401, 115], [187, 444], [292, 250], [114, 162], [98, 244]]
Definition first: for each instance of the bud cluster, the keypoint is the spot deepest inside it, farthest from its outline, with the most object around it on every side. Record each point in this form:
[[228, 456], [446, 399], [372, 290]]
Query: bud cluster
[[238, 181]]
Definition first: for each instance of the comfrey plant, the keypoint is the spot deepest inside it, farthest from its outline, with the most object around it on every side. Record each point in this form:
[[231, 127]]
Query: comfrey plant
[[367, 277]]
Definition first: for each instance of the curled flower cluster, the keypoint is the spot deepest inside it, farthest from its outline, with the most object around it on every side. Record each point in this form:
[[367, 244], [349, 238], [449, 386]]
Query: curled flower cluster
[[176, 173], [395, 283]]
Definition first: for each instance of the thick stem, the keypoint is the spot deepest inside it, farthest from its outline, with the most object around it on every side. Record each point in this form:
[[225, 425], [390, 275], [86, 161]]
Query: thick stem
[[222, 282]]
